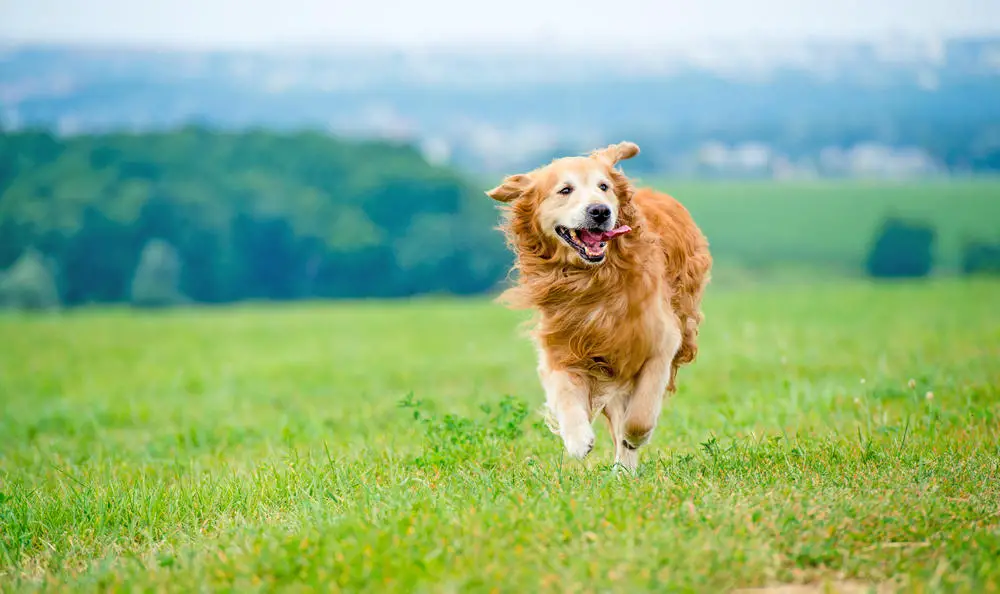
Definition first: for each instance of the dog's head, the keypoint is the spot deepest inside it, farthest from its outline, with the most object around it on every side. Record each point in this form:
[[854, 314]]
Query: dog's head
[[571, 208]]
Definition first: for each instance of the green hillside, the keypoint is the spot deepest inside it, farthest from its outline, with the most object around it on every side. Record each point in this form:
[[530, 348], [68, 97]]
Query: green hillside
[[828, 226]]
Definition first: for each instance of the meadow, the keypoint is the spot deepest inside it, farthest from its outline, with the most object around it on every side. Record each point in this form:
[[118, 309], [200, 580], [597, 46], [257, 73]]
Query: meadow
[[815, 228], [836, 434]]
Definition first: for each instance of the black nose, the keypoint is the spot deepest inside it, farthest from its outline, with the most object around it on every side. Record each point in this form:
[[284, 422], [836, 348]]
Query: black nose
[[598, 213]]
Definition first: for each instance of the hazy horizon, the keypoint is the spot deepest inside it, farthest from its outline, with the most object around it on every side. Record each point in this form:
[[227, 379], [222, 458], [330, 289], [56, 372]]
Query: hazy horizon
[[593, 24]]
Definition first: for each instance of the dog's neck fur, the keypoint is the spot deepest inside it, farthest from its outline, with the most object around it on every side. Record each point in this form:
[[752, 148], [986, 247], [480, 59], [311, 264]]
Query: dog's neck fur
[[583, 308]]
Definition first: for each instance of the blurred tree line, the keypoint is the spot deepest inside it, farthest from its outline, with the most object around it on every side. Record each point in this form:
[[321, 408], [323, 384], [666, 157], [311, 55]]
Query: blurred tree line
[[196, 215], [904, 248], [161, 219]]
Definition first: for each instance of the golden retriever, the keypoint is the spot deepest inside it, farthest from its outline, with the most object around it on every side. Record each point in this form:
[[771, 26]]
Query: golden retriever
[[616, 277]]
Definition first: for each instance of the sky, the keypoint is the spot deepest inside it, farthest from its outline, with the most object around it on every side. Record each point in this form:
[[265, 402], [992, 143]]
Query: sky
[[407, 23]]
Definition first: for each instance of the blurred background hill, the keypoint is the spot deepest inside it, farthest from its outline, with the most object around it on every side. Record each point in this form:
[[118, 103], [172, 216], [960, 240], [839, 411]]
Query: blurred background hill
[[891, 107], [166, 173]]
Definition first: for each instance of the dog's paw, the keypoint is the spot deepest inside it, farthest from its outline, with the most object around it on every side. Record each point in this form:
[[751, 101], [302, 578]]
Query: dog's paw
[[579, 440], [627, 460], [550, 419]]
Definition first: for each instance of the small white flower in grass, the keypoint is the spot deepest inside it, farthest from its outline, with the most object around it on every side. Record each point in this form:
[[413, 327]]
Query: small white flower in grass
[[862, 380], [912, 383], [857, 401], [930, 395]]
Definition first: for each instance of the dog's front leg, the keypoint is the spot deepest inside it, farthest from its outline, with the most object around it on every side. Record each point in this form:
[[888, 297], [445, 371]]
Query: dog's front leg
[[567, 396], [642, 412]]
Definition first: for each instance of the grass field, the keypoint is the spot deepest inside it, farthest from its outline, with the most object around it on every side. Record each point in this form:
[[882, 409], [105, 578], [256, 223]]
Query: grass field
[[827, 433], [826, 226]]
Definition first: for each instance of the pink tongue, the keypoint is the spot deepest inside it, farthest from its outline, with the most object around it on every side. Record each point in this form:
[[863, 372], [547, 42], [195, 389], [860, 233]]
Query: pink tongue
[[594, 239]]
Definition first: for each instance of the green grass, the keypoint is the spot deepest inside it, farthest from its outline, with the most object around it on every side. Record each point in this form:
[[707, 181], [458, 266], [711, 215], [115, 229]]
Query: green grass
[[260, 447], [830, 225]]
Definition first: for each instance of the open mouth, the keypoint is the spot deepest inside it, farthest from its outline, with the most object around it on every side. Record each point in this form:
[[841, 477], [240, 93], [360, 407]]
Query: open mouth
[[591, 244]]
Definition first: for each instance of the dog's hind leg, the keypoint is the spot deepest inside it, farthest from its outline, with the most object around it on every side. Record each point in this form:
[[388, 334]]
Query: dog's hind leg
[[614, 412]]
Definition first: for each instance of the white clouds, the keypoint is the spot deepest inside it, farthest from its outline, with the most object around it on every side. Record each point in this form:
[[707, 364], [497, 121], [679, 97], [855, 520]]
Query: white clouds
[[577, 23]]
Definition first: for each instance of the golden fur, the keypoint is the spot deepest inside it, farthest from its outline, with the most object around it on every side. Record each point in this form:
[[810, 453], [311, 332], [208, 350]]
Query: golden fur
[[610, 335]]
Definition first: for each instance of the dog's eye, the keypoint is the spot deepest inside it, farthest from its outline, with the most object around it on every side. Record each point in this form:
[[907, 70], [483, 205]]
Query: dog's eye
[[603, 186], [566, 191]]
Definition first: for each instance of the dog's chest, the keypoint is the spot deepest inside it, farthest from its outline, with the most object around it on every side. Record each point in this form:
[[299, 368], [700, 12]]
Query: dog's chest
[[612, 339]]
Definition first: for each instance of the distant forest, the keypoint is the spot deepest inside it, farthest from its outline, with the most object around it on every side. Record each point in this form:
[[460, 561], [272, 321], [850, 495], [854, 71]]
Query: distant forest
[[221, 217], [160, 219]]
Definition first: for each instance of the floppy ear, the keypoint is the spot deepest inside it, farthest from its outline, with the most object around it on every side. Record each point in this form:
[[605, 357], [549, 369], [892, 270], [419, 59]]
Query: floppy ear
[[617, 152], [512, 187]]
